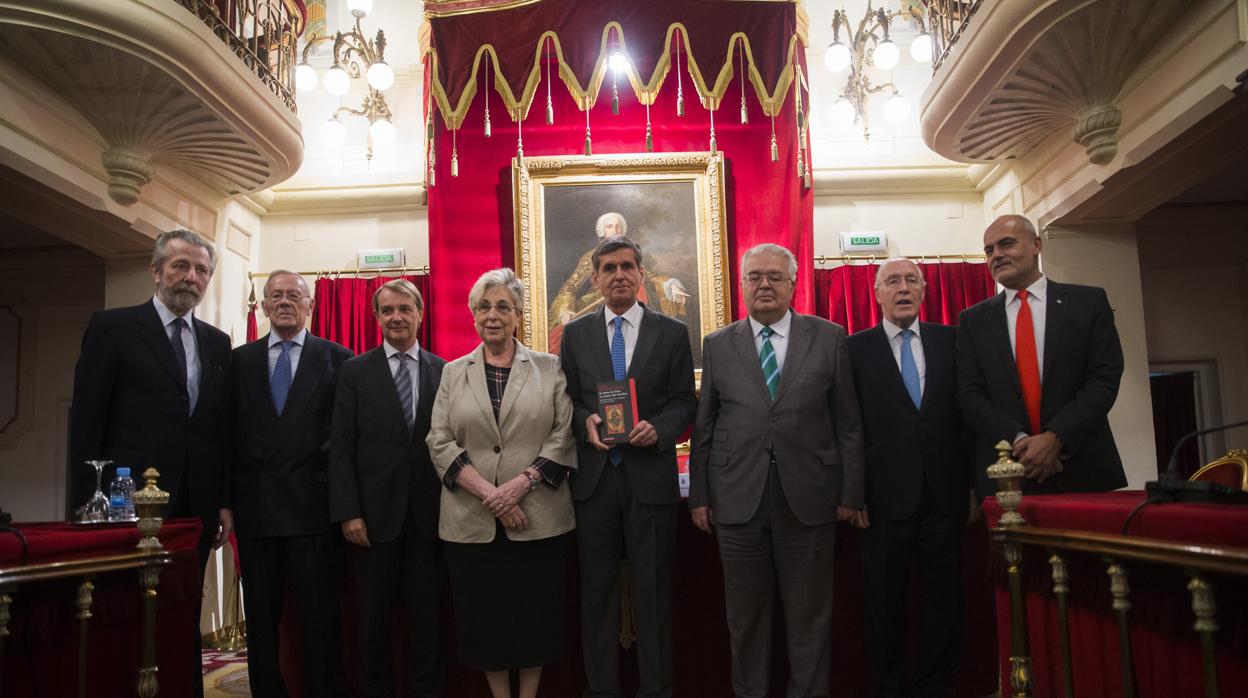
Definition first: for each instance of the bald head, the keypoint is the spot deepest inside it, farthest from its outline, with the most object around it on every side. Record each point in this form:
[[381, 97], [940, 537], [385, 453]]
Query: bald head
[[1012, 249]]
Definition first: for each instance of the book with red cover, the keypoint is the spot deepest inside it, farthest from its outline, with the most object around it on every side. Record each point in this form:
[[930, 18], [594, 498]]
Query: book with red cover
[[617, 405]]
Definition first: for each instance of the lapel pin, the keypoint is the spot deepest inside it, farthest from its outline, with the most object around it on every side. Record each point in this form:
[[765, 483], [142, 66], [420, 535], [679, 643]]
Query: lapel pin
[[1059, 301]]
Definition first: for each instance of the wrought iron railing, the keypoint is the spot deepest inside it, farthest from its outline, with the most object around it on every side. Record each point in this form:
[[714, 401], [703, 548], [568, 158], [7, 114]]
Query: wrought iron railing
[[947, 20], [262, 33]]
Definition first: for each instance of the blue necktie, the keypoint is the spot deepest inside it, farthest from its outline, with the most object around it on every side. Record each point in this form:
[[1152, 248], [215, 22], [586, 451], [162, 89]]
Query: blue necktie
[[279, 382], [403, 385], [620, 368], [909, 369], [771, 368]]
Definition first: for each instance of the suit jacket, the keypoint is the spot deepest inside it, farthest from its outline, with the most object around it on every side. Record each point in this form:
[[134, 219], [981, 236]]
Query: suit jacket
[[662, 366], [1081, 373], [534, 420], [130, 406], [813, 427], [281, 483], [379, 469], [907, 446]]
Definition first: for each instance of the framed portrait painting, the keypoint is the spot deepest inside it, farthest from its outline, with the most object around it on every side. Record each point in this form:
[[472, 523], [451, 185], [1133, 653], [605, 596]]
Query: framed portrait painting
[[672, 204]]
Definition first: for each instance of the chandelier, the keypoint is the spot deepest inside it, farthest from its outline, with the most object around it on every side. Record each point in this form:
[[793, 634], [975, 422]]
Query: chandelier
[[354, 55], [871, 45]]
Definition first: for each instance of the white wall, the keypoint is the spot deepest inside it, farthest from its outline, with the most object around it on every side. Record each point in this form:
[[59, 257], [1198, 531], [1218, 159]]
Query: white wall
[[917, 224]]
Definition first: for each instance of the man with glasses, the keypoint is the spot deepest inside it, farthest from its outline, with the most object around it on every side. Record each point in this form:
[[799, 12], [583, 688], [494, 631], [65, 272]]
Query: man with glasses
[[284, 388], [918, 486], [777, 460], [626, 496]]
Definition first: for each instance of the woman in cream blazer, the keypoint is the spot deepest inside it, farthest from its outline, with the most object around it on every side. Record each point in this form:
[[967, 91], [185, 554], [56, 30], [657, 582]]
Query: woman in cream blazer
[[501, 440]]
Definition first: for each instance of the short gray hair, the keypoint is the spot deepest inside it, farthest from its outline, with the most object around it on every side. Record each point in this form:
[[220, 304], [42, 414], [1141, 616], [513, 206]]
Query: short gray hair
[[402, 286], [160, 253], [600, 226], [283, 272], [503, 277], [770, 248], [879, 273]]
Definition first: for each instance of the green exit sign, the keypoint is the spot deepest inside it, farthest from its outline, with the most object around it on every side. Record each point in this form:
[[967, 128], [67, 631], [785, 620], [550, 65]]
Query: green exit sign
[[380, 259], [864, 241]]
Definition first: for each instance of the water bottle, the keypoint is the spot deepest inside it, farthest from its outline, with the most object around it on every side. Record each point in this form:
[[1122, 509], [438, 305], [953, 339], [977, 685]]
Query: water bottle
[[121, 496]]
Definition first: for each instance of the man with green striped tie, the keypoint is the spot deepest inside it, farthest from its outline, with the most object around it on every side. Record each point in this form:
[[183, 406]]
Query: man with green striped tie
[[777, 460]]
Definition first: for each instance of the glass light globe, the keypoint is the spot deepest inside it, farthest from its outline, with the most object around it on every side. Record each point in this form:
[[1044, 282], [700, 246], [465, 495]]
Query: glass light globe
[[382, 132], [618, 62], [886, 55], [337, 82], [380, 76], [896, 109], [360, 8], [837, 57], [305, 77], [921, 49], [334, 133], [843, 113]]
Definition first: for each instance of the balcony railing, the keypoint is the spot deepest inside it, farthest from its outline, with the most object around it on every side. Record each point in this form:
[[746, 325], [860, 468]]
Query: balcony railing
[[263, 33], [948, 19]]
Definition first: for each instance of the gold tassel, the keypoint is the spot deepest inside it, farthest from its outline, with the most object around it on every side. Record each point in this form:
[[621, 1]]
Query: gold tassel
[[429, 128], [680, 102], [745, 113], [433, 164], [487, 122], [649, 139], [775, 149], [713, 148], [454, 164], [589, 146], [550, 111], [615, 100]]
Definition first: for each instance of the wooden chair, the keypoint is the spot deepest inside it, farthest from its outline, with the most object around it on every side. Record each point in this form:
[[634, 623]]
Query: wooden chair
[[1230, 470]]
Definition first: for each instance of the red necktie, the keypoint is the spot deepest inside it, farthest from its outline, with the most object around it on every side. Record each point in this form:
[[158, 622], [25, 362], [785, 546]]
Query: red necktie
[[1028, 365]]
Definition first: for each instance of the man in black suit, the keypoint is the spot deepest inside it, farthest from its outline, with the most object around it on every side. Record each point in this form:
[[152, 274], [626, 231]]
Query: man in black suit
[[385, 493], [150, 390], [284, 389], [1050, 394], [626, 496], [918, 486]]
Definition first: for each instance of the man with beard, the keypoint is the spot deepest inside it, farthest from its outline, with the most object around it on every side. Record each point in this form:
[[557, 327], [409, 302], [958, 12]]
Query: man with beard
[[150, 391], [385, 494]]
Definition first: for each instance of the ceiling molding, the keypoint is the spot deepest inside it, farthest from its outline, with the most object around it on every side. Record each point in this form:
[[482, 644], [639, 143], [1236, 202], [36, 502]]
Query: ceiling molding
[[917, 179]]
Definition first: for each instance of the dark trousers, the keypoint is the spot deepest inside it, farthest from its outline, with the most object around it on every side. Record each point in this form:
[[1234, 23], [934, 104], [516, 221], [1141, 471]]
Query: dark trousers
[[775, 551], [305, 565], [180, 507], [612, 526], [406, 572], [890, 549]]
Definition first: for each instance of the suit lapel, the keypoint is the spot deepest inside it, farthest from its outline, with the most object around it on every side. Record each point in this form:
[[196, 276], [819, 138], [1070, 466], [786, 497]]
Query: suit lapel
[[998, 324], [1054, 320], [521, 367], [307, 377], [647, 335], [932, 356], [801, 336], [204, 351], [384, 382], [882, 356], [428, 391], [480, 391], [743, 342], [256, 365], [598, 345], [153, 334]]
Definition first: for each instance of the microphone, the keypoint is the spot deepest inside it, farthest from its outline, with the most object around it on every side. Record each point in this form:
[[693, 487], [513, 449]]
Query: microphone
[[1172, 487]]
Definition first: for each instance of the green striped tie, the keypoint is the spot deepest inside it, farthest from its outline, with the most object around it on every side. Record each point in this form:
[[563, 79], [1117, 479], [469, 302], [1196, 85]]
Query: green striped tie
[[771, 369]]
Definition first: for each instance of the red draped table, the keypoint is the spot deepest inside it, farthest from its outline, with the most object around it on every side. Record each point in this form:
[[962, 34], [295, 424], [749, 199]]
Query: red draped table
[[40, 654], [1165, 647]]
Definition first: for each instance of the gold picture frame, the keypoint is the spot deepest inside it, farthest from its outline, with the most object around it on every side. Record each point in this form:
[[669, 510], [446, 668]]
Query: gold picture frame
[[673, 206]]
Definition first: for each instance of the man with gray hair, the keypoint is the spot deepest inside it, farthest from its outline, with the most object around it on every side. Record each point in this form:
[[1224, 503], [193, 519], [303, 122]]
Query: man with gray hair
[[777, 460], [150, 390]]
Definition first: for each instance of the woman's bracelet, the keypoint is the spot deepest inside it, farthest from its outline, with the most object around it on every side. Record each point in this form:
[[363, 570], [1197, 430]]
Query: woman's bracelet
[[532, 480]]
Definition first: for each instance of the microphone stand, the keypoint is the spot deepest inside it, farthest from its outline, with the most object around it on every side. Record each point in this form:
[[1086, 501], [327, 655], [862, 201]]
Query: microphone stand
[[1170, 486]]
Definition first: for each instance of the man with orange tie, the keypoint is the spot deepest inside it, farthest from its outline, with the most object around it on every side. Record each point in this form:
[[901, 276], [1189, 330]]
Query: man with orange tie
[[1038, 367]]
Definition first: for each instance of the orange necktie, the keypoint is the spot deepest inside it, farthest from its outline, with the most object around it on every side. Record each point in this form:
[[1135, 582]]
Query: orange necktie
[[1028, 365]]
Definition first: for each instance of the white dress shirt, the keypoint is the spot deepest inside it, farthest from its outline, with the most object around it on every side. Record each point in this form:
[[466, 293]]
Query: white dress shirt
[[296, 349], [779, 337], [1036, 295], [916, 348], [413, 368], [630, 328], [167, 317]]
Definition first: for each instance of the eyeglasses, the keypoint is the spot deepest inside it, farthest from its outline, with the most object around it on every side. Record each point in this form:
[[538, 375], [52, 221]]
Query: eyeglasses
[[292, 296], [908, 279], [775, 278], [483, 308]]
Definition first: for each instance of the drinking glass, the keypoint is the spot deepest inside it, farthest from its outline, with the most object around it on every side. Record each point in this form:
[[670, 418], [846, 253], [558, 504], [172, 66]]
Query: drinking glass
[[97, 508]]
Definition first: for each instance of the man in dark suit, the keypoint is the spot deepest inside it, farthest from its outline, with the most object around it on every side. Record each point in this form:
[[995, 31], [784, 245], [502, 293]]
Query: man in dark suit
[[284, 398], [626, 497], [1038, 367], [150, 390], [384, 492], [918, 487], [777, 461]]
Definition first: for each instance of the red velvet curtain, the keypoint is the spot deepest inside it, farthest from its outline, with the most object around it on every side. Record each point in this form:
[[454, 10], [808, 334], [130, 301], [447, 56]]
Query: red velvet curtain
[[470, 216], [846, 294], [344, 311]]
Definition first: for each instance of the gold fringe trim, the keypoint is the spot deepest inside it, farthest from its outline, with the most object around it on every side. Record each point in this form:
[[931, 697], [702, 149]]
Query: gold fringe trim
[[587, 95]]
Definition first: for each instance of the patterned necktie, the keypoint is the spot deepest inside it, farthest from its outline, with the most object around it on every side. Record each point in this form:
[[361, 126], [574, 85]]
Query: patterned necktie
[[909, 369], [771, 369], [403, 385], [620, 369], [1028, 363], [279, 381], [179, 354]]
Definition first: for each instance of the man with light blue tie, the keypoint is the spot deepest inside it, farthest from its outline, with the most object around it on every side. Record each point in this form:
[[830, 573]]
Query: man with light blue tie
[[776, 462], [284, 386], [626, 496], [918, 487]]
